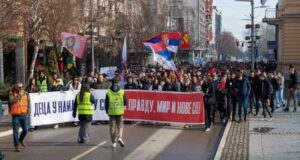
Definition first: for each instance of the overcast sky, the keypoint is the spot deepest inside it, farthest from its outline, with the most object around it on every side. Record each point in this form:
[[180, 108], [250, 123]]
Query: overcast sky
[[233, 12]]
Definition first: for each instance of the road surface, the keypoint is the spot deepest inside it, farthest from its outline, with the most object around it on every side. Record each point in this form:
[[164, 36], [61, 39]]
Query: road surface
[[142, 142]]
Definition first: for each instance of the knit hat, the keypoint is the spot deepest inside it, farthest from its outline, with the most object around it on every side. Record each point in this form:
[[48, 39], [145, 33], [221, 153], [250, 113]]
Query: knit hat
[[212, 71]]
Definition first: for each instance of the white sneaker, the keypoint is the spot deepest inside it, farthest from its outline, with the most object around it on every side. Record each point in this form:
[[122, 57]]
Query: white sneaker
[[121, 142], [271, 119], [56, 126], [207, 129], [114, 145]]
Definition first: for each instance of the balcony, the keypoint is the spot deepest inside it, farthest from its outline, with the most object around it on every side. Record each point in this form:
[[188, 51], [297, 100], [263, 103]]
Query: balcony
[[271, 16]]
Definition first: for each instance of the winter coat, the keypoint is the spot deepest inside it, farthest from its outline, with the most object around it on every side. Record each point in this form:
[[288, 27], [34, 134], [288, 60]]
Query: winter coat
[[210, 93], [293, 81], [264, 89], [243, 86], [230, 88]]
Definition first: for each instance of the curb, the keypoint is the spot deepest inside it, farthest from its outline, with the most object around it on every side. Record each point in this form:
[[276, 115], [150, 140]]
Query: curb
[[223, 141]]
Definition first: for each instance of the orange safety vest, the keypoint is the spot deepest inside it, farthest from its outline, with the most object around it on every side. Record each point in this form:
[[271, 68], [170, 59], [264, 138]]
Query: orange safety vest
[[21, 106]]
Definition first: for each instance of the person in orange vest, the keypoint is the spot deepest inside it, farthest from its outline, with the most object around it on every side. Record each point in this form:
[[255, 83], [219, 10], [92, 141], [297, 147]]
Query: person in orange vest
[[19, 109]]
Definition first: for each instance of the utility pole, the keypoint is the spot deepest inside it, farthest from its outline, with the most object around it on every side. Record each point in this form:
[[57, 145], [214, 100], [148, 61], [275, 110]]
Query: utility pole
[[92, 32], [1, 63], [252, 32], [252, 35]]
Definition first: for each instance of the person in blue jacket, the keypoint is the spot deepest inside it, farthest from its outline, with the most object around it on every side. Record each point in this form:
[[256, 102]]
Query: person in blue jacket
[[243, 89]]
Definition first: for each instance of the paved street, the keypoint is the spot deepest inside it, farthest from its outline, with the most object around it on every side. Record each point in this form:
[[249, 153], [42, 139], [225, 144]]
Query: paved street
[[142, 142]]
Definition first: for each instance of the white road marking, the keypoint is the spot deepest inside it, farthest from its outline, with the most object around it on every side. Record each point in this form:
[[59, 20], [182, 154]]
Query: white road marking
[[89, 151], [137, 123], [155, 144], [8, 132]]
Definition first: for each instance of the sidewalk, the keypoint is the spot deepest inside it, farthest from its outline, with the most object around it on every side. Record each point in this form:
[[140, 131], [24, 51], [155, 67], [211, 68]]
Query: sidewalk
[[5, 123], [278, 139], [256, 139]]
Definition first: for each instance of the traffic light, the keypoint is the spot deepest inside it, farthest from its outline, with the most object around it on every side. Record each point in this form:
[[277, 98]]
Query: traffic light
[[237, 43]]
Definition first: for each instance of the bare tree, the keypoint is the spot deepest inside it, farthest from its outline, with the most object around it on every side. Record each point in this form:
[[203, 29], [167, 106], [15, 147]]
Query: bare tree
[[226, 45]]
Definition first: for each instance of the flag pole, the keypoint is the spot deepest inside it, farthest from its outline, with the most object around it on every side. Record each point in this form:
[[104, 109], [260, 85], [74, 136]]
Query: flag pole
[[92, 39]]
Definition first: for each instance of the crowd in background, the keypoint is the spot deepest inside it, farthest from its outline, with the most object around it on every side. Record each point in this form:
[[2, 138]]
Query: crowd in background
[[228, 87]]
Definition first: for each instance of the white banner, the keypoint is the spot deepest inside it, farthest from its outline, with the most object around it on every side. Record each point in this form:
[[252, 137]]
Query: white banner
[[57, 107], [109, 71]]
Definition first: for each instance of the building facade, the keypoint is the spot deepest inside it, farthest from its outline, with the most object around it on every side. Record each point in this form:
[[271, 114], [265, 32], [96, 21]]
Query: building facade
[[216, 28], [191, 18], [286, 18]]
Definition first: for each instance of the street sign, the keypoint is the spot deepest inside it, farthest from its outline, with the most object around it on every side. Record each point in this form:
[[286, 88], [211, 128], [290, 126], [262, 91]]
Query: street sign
[[247, 38], [135, 67], [257, 37], [256, 53], [272, 44], [248, 26]]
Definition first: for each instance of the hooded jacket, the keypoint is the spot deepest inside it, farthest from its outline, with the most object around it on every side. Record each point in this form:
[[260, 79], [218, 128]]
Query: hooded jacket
[[114, 88]]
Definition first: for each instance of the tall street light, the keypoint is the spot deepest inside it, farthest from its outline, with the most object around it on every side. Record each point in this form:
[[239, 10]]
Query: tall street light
[[252, 29]]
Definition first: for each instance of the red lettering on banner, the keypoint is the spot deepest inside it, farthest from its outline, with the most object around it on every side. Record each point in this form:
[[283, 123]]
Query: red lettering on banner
[[165, 107]]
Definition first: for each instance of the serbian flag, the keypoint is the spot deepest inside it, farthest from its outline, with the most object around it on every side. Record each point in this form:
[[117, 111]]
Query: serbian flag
[[74, 43], [171, 40], [185, 41], [161, 55]]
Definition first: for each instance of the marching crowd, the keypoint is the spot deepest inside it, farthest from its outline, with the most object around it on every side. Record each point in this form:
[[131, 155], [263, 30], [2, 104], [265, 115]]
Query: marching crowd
[[228, 88]]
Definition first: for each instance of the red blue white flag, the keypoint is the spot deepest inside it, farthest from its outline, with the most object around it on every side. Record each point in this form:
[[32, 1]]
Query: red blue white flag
[[161, 55], [170, 39]]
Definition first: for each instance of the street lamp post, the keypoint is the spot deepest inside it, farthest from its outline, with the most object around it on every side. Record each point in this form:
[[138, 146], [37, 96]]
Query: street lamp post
[[252, 30], [252, 36]]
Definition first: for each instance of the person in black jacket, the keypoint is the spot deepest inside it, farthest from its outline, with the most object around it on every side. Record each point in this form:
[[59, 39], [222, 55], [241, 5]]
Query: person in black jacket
[[130, 84], [275, 86], [231, 96], [264, 90], [209, 100], [251, 97], [292, 89], [221, 92], [256, 81], [168, 85]]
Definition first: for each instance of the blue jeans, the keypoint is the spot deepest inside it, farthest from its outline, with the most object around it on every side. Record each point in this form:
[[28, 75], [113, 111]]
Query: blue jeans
[[16, 122], [242, 103], [279, 97]]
